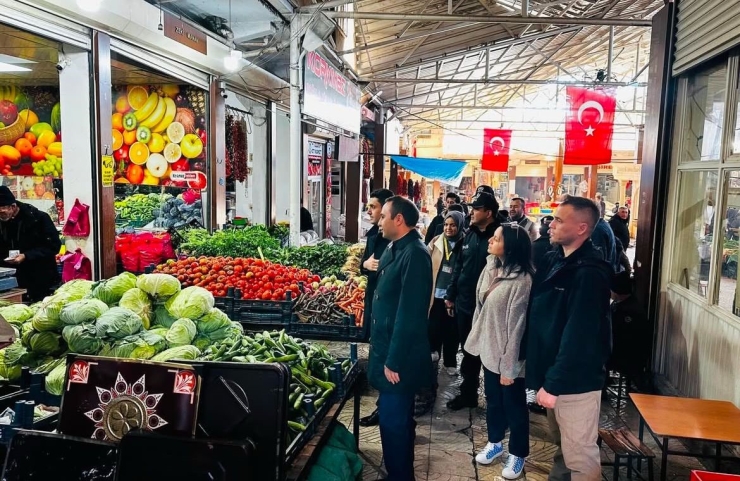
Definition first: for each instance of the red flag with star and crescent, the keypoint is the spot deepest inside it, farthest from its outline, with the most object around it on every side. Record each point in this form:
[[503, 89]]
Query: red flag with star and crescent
[[496, 146], [589, 127]]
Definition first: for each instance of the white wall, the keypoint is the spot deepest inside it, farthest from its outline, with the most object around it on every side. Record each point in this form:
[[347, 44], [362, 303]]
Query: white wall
[[251, 196], [282, 168], [77, 166]]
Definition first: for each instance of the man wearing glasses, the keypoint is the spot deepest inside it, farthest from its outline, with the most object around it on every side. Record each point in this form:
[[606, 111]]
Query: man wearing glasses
[[29, 243]]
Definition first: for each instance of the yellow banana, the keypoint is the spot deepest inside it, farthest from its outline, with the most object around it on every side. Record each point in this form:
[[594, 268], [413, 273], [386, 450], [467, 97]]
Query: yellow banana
[[157, 115], [148, 108], [169, 116]]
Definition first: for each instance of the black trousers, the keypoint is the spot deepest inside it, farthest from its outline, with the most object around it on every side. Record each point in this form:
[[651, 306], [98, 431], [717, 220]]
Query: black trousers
[[506, 408], [470, 367], [443, 333]]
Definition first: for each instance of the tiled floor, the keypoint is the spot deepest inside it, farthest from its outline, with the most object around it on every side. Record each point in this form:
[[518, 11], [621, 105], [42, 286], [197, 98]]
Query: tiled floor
[[447, 441]]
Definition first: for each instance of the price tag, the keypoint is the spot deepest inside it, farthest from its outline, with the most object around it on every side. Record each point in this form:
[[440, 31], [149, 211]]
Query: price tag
[[107, 170]]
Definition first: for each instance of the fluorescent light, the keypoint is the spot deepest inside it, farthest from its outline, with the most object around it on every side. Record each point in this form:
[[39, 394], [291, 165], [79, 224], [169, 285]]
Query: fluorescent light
[[231, 62], [89, 5], [6, 67]]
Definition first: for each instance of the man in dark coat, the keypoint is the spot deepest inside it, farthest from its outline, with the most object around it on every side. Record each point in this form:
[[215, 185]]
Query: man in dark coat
[[542, 245], [400, 364], [630, 331], [34, 238], [619, 226], [568, 339], [374, 248], [470, 259]]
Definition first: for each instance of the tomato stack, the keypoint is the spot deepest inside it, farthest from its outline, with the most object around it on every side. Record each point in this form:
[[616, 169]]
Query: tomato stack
[[257, 279]]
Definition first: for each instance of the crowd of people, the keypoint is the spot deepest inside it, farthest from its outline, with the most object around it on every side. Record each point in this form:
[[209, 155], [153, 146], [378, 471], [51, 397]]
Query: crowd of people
[[528, 302]]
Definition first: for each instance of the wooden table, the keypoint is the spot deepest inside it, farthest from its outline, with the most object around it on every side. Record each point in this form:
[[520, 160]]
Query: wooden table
[[13, 295], [668, 418]]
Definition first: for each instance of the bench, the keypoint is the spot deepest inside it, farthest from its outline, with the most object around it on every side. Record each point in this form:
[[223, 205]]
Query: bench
[[626, 448]]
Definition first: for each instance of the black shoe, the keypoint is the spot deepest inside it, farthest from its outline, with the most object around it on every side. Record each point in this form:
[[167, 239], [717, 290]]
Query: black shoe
[[536, 408], [461, 402], [372, 420]]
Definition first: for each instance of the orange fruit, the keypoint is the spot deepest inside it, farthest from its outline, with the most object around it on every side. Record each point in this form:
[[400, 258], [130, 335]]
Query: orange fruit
[[138, 153], [122, 105], [137, 97], [129, 137], [24, 146], [117, 140], [117, 121], [135, 174]]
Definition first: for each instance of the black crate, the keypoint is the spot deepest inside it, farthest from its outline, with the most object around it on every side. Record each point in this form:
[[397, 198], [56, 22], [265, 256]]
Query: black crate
[[348, 379], [226, 304], [323, 332], [256, 315], [303, 438]]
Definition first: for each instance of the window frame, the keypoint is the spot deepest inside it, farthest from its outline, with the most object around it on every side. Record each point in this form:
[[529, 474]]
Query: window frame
[[727, 162]]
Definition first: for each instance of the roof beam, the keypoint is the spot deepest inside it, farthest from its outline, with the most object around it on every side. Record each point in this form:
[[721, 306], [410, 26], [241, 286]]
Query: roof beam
[[497, 82], [513, 19]]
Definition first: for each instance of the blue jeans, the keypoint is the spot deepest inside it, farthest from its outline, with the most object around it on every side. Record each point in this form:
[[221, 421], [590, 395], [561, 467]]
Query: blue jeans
[[397, 434], [506, 408]]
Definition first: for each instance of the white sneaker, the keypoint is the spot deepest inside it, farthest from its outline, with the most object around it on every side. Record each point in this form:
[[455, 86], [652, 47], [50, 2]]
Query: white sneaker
[[490, 453], [451, 371], [435, 356], [514, 467]]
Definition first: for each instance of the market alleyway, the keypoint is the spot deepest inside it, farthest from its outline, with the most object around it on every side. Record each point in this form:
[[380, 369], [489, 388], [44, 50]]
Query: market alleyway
[[447, 441]]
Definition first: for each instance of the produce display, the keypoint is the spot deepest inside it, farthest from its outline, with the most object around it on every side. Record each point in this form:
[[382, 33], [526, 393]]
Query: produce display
[[323, 259], [158, 130], [332, 302], [140, 207], [253, 241], [179, 211], [354, 260], [236, 148]]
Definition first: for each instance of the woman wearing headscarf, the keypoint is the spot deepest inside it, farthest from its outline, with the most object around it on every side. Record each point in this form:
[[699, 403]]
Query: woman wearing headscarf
[[442, 329]]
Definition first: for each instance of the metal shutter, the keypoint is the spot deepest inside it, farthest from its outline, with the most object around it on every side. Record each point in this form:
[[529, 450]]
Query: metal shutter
[[705, 28]]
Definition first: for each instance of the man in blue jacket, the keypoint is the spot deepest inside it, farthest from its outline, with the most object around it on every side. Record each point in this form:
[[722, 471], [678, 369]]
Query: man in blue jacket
[[400, 364], [568, 339]]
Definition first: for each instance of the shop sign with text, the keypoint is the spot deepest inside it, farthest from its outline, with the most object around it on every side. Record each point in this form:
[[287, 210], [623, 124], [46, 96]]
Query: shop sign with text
[[181, 32], [329, 95]]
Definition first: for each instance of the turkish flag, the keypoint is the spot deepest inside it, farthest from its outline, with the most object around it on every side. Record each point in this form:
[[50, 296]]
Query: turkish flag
[[496, 145], [589, 127]]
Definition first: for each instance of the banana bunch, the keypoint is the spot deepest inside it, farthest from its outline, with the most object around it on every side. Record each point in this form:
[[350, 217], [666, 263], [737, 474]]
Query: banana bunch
[[8, 92], [157, 113]]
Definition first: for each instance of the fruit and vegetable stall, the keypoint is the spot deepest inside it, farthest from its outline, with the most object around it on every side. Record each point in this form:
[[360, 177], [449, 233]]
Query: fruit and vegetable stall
[[162, 318]]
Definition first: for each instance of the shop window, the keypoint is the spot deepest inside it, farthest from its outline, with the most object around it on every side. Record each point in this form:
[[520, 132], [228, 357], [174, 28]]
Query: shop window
[[694, 230], [727, 294], [704, 115]]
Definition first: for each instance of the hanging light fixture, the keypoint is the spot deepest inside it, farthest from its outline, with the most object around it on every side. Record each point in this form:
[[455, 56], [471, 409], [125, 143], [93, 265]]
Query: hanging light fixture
[[231, 62], [89, 5]]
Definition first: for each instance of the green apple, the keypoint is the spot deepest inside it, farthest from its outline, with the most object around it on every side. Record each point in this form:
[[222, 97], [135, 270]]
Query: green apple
[[38, 128], [191, 146]]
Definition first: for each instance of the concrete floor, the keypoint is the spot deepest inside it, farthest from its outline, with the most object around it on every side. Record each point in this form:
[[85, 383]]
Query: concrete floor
[[446, 441]]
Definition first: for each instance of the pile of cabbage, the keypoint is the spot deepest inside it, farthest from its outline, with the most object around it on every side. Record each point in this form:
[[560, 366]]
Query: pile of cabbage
[[136, 317]]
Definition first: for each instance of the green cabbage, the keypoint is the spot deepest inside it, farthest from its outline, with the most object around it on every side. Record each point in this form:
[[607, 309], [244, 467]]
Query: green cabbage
[[230, 330], [117, 323], [214, 320], [43, 321], [113, 289], [139, 346], [159, 286], [9, 370], [185, 353], [83, 311], [82, 339], [192, 302], [16, 313], [138, 301], [44, 342], [15, 353], [27, 331], [202, 342], [162, 317], [76, 289], [182, 332], [55, 380], [159, 330]]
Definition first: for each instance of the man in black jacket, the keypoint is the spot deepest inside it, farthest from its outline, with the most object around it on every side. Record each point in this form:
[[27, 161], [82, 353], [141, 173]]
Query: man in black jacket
[[470, 259], [619, 226], [375, 245], [542, 245], [35, 240], [568, 339]]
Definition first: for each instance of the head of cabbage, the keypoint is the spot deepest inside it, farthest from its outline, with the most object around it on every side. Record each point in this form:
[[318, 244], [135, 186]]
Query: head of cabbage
[[16, 313], [55, 380], [182, 332], [83, 311], [159, 286], [76, 289], [214, 320], [117, 323], [43, 320], [138, 301], [192, 302], [143, 345], [82, 339], [184, 353], [159, 330], [162, 317], [44, 343], [231, 330], [10, 369], [110, 291]]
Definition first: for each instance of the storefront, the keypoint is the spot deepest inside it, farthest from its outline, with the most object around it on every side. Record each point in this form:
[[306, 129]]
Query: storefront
[[698, 337]]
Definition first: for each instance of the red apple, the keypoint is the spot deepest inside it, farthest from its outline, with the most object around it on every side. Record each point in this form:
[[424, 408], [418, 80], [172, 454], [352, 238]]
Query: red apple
[[8, 112]]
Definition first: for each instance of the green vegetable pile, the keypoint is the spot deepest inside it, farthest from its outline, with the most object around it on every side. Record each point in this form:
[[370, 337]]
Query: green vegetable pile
[[253, 241], [323, 259], [140, 207], [309, 365]]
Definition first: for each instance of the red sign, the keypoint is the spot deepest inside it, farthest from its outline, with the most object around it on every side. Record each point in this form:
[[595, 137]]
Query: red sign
[[496, 147], [589, 127], [195, 179]]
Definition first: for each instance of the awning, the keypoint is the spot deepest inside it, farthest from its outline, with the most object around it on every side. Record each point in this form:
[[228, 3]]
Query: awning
[[447, 171]]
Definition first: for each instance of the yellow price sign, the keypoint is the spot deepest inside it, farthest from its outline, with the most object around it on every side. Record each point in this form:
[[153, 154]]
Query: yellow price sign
[[107, 170]]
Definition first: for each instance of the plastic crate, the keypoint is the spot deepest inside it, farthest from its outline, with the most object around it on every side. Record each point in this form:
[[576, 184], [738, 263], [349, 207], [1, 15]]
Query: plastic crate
[[262, 315], [348, 378], [226, 304], [303, 438], [324, 332]]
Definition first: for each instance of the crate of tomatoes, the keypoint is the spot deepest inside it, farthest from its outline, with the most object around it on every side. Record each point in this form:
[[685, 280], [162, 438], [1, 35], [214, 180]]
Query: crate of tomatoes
[[257, 293]]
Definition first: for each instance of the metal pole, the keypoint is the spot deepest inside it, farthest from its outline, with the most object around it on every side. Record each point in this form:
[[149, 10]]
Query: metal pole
[[610, 54], [295, 133], [325, 5], [621, 22], [494, 82], [525, 8]]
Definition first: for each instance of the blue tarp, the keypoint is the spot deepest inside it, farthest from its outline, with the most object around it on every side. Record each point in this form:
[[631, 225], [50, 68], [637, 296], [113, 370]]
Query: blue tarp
[[447, 171]]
